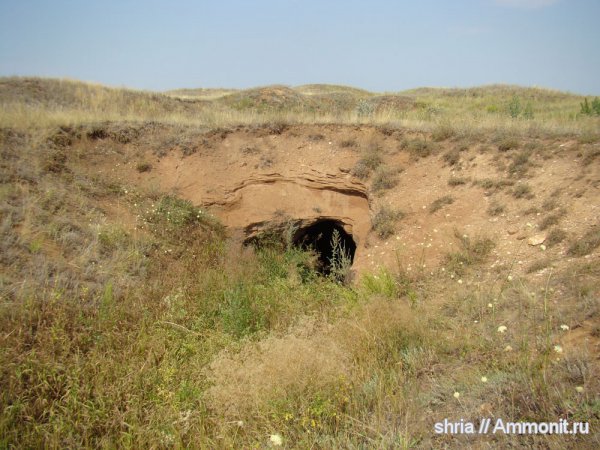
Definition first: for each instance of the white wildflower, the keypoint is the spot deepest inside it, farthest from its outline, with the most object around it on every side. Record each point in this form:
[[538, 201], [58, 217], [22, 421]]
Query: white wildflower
[[276, 440]]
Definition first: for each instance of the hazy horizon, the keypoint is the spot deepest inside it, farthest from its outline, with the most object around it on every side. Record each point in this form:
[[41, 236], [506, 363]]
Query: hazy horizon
[[383, 47]]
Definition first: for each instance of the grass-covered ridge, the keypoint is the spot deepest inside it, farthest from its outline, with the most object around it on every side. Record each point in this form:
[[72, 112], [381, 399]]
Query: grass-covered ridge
[[29, 102]]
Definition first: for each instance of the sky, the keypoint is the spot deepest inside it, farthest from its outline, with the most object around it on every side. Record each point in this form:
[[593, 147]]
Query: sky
[[379, 45]]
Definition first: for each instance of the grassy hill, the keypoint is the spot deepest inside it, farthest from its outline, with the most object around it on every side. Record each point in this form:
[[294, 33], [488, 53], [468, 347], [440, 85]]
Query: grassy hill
[[131, 318], [31, 102]]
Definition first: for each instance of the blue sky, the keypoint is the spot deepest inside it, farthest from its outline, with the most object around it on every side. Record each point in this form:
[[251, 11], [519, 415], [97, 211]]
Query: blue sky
[[377, 45]]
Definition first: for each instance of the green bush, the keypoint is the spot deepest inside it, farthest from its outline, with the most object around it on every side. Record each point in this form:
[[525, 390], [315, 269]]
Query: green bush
[[592, 109]]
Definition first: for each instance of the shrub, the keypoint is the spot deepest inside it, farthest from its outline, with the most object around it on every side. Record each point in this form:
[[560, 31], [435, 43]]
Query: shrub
[[442, 132], [384, 178], [552, 219], [514, 107], [369, 162], [587, 243], [472, 251], [384, 221], [452, 157], [144, 167], [419, 148], [556, 236], [508, 144], [495, 209], [522, 190], [590, 110], [520, 163], [348, 143], [440, 203], [457, 181]]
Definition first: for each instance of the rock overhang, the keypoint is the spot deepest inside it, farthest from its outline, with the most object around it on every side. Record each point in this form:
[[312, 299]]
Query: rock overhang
[[273, 202]]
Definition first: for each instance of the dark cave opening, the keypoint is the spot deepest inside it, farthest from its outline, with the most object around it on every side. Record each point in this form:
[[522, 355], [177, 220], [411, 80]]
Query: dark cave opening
[[320, 237]]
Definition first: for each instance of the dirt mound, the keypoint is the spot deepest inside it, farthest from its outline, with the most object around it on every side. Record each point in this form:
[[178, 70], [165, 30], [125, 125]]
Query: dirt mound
[[416, 197]]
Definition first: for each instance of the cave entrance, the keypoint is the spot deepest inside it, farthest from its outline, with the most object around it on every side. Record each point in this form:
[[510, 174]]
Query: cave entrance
[[321, 237]]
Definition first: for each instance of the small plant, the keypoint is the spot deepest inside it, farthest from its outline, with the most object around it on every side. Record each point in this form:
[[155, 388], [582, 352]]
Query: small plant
[[440, 203], [442, 132], [419, 148], [514, 107], [520, 163], [552, 219], [472, 251], [587, 243], [143, 167], [348, 143], [556, 236], [508, 144], [495, 209], [340, 261], [592, 109], [538, 265], [452, 157], [365, 109], [457, 181], [528, 111], [384, 221], [522, 190], [369, 162], [384, 178]]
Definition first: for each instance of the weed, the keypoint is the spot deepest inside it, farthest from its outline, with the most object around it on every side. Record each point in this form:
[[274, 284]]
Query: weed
[[419, 148], [348, 143], [550, 203], [143, 167], [471, 252], [555, 236], [442, 132], [316, 137], [590, 109], [495, 209], [522, 190], [552, 219], [587, 243], [590, 156], [384, 178], [452, 157], [384, 221], [539, 265], [367, 164], [457, 181], [56, 162], [440, 203], [514, 107], [520, 163], [508, 144], [340, 261]]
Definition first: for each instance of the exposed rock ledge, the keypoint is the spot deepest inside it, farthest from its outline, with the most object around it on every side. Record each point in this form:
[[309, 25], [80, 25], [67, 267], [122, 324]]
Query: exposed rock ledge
[[263, 201]]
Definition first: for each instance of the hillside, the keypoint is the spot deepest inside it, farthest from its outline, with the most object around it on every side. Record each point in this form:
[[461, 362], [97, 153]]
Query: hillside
[[164, 280]]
